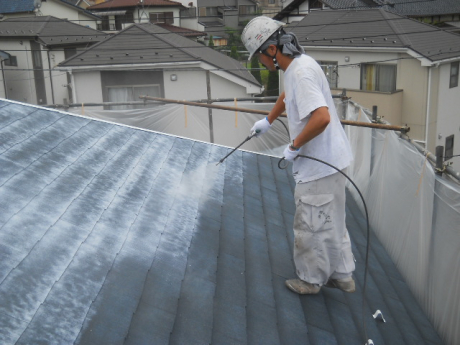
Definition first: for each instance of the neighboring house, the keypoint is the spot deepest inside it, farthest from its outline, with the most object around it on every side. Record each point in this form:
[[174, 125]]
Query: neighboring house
[[216, 16], [36, 46], [410, 70], [57, 8], [118, 14], [145, 59], [4, 57], [295, 10], [443, 13]]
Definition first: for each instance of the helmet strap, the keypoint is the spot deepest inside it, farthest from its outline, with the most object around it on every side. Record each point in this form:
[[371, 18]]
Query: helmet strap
[[275, 61]]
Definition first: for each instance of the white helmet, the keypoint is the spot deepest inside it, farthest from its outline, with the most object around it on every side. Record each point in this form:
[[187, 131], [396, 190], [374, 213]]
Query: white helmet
[[257, 31]]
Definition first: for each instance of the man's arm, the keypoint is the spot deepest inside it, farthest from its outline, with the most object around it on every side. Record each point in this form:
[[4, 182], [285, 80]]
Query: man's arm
[[319, 120], [277, 109]]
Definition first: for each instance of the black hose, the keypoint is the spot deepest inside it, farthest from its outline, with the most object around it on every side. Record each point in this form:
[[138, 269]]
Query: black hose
[[366, 261]]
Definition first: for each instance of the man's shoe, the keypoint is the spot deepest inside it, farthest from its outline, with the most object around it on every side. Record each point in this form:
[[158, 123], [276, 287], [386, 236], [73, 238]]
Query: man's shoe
[[301, 287], [347, 284]]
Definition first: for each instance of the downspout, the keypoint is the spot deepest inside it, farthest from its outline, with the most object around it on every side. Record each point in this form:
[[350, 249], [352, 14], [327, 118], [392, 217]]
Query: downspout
[[74, 91], [4, 81], [428, 104], [51, 76]]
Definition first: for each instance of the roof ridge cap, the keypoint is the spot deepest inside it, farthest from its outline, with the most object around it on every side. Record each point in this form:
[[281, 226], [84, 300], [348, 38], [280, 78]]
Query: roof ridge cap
[[402, 36], [167, 41]]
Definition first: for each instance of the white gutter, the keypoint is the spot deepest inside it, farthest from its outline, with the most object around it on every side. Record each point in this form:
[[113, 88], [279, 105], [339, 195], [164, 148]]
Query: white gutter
[[428, 104], [424, 61], [125, 66]]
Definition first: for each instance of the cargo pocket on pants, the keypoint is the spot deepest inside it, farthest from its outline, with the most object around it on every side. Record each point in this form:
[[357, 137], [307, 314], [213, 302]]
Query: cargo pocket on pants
[[314, 213]]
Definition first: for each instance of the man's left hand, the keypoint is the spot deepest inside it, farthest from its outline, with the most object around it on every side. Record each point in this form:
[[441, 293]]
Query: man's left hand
[[289, 154]]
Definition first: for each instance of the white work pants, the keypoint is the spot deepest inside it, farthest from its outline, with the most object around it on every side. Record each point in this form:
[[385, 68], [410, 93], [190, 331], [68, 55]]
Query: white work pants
[[322, 247]]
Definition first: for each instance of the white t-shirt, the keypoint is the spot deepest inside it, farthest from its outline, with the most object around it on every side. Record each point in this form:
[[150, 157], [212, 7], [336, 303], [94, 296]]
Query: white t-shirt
[[306, 89]]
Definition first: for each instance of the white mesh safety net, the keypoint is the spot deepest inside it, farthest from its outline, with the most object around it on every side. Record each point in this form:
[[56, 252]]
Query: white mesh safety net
[[414, 212]]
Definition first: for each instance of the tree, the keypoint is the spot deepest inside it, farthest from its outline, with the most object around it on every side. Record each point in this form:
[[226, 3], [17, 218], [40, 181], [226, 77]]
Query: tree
[[234, 53], [211, 42], [272, 84], [255, 71]]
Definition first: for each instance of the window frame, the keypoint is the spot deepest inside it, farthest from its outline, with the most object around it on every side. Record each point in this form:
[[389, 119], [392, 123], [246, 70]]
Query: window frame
[[453, 77], [162, 17], [332, 67], [377, 86], [12, 61]]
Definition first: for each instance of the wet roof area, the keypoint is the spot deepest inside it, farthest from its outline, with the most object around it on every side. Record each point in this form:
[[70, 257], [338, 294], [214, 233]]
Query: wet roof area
[[116, 235]]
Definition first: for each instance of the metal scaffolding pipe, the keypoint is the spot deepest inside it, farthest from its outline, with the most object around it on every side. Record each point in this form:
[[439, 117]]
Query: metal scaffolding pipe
[[403, 129]]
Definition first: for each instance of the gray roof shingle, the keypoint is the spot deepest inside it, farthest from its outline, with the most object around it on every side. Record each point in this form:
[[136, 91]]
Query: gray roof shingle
[[150, 43], [413, 8], [111, 234], [376, 28], [49, 30], [17, 6]]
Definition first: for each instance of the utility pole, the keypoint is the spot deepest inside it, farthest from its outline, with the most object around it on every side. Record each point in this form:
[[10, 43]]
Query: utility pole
[[208, 86]]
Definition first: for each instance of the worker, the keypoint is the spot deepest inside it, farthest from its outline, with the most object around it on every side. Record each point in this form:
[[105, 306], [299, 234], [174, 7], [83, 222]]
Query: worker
[[322, 248]]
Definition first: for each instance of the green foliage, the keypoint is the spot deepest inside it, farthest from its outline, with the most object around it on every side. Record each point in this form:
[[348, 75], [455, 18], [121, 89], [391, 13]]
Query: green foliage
[[234, 53], [255, 69], [272, 84], [211, 42]]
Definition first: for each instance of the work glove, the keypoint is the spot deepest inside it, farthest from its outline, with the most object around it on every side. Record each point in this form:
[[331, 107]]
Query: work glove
[[260, 127], [289, 154]]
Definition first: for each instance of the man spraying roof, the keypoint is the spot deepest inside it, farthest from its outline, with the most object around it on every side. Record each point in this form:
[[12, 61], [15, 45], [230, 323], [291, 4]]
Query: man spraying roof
[[322, 248]]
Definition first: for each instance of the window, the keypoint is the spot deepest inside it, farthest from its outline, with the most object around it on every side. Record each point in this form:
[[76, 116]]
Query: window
[[378, 77], [271, 1], [208, 11], [12, 61], [128, 17], [162, 17], [449, 148], [131, 93], [453, 74], [314, 4], [330, 69], [69, 52], [247, 9]]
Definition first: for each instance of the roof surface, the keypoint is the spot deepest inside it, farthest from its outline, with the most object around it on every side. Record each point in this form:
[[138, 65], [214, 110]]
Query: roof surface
[[375, 28], [16, 6], [133, 3], [111, 235], [150, 43], [402, 7], [49, 30], [20, 6], [182, 31]]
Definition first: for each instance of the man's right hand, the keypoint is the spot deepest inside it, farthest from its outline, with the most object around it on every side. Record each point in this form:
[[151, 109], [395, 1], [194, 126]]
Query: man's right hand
[[260, 127]]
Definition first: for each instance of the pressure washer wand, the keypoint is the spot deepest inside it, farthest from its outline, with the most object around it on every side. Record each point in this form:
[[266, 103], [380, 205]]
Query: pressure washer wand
[[245, 140]]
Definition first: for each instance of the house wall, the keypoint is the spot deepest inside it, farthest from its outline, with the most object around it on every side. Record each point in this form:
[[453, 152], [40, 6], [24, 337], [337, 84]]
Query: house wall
[[142, 15], [20, 79], [60, 10], [448, 121], [59, 86], [88, 87], [412, 78], [182, 90], [389, 104]]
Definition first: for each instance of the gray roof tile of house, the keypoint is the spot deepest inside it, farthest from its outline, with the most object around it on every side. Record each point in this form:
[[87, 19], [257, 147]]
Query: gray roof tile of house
[[376, 28], [403, 7], [24, 6], [17, 6], [49, 30], [149, 43], [111, 234], [111, 4]]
